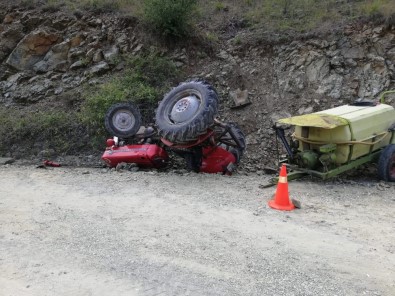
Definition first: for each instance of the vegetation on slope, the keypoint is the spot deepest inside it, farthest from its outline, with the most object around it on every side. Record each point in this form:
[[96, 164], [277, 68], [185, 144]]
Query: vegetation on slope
[[152, 75], [82, 129], [177, 17]]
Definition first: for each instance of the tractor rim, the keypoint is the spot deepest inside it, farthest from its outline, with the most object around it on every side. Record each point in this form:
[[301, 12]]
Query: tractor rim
[[184, 109], [123, 120]]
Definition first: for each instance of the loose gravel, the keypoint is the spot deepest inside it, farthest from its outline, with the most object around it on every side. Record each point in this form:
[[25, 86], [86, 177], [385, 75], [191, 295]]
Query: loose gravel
[[91, 231]]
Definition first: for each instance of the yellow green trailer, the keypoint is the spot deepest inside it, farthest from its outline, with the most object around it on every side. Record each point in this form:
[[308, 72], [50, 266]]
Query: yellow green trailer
[[333, 141]]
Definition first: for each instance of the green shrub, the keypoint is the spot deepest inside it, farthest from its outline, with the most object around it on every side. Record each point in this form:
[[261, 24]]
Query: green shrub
[[211, 37], [153, 69], [219, 5], [378, 7], [172, 18]]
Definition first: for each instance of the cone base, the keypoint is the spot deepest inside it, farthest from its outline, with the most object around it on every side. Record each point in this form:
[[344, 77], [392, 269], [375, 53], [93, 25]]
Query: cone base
[[273, 205]]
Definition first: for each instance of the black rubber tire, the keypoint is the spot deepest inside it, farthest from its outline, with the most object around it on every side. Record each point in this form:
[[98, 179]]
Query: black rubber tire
[[236, 151], [125, 114], [241, 138], [189, 129], [386, 165]]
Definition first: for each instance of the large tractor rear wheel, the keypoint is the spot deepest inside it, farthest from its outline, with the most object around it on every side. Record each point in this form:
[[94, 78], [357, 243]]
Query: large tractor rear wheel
[[187, 111], [386, 168]]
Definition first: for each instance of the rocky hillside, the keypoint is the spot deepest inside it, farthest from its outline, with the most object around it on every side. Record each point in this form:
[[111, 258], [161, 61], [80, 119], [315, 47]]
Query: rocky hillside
[[48, 59]]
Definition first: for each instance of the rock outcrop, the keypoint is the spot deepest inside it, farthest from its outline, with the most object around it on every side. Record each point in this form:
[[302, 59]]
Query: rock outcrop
[[358, 64], [31, 49], [41, 57]]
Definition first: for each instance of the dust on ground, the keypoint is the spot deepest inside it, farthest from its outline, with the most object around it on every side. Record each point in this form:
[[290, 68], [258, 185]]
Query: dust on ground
[[87, 231]]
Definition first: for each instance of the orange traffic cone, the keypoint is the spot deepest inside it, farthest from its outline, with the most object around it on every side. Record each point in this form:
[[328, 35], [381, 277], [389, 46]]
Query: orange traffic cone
[[281, 199]]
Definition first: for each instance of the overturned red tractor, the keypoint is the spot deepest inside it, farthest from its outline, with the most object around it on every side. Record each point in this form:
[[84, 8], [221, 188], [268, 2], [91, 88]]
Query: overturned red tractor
[[185, 124]]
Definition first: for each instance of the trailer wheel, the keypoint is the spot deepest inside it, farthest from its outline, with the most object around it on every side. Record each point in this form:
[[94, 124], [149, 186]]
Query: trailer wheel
[[123, 120], [387, 164], [187, 111]]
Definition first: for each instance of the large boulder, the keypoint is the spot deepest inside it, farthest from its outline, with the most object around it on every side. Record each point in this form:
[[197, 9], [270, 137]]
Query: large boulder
[[98, 69], [31, 49], [9, 38], [112, 54], [318, 69], [54, 58]]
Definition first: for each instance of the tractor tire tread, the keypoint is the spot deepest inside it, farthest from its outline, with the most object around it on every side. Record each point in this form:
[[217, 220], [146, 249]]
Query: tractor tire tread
[[238, 151], [183, 133]]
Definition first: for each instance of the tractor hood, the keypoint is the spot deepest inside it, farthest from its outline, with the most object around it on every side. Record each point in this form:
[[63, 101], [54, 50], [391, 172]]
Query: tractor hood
[[325, 121]]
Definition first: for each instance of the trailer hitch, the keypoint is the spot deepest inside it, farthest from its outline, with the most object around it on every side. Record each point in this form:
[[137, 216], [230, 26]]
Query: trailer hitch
[[280, 133]]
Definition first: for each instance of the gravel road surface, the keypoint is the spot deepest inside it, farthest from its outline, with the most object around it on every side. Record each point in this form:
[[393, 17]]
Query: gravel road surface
[[87, 231]]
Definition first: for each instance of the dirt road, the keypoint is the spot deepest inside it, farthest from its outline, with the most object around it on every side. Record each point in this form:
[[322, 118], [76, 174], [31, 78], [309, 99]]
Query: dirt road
[[78, 231]]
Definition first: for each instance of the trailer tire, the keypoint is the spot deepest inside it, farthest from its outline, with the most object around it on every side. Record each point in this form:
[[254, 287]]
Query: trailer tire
[[386, 168], [123, 120], [187, 111]]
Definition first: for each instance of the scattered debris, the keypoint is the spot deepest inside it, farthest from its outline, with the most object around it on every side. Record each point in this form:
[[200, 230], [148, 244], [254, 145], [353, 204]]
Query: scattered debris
[[240, 98], [6, 160], [383, 186], [123, 166], [51, 163], [296, 203]]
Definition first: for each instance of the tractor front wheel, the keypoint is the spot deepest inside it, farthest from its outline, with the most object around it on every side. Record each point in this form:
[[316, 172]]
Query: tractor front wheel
[[387, 164], [234, 141], [123, 120]]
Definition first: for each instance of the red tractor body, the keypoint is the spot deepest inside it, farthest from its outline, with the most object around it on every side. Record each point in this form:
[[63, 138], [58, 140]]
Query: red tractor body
[[144, 155], [217, 160], [214, 159]]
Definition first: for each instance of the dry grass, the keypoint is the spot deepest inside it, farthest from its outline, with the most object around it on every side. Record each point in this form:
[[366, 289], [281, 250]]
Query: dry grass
[[300, 15], [133, 7]]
